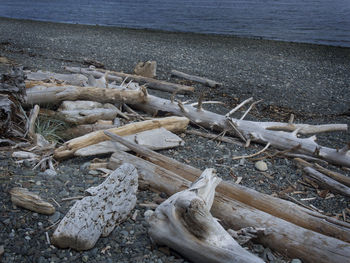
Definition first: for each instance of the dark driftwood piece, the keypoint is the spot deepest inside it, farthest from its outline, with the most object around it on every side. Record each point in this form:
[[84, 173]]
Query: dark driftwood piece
[[205, 81], [274, 206]]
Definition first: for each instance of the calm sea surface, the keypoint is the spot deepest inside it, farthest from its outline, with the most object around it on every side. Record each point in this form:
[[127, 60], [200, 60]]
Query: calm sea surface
[[312, 21]]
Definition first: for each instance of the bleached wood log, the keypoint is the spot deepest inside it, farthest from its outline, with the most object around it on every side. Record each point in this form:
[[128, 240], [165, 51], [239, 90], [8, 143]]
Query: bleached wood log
[[255, 131], [326, 182], [151, 83], [47, 93], [183, 222], [31, 121], [174, 124], [277, 207], [97, 215], [24, 198], [205, 81], [69, 79], [156, 139], [285, 237]]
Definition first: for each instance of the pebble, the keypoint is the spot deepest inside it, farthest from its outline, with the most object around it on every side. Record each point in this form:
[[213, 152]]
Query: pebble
[[261, 166], [2, 250], [296, 260], [38, 183], [93, 172], [27, 238], [85, 258], [56, 216], [49, 173]]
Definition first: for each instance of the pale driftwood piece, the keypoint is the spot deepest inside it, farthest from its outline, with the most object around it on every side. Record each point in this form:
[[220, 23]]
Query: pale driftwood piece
[[24, 198], [156, 139], [70, 79], [149, 82], [183, 222], [94, 73], [255, 131], [146, 69], [215, 137], [277, 207], [97, 215], [24, 155], [31, 122], [86, 112], [285, 237], [238, 107], [47, 93], [205, 81], [326, 182], [173, 124], [334, 175]]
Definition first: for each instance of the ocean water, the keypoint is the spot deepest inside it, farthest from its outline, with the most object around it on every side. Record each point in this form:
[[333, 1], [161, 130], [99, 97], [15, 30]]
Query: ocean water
[[310, 21]]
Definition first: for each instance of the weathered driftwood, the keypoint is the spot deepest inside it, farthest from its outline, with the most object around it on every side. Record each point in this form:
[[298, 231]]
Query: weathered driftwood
[[183, 222], [215, 137], [285, 237], [47, 93], [94, 73], [69, 79], [31, 121], [325, 182], [97, 215], [156, 139], [151, 83], [277, 207], [205, 81], [256, 131], [334, 175], [174, 124], [83, 129], [146, 69], [24, 198]]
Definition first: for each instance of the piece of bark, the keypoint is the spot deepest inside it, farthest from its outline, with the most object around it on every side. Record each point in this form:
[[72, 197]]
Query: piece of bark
[[325, 182], [183, 222], [205, 81], [255, 131], [70, 79], [149, 82], [275, 206], [146, 69], [47, 93], [287, 238], [24, 198], [97, 215], [156, 139], [173, 124]]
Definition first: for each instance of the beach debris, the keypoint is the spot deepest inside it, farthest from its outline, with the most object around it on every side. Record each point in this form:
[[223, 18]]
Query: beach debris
[[92, 62], [22, 197], [183, 222], [261, 166], [146, 69], [204, 81], [109, 204], [47, 76]]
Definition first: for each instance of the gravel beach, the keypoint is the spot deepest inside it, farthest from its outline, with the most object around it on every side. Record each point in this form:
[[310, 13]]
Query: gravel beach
[[310, 81]]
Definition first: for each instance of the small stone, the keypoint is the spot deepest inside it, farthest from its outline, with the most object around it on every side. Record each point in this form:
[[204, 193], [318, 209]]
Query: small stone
[[35, 215], [27, 238], [261, 166], [56, 216], [85, 258], [124, 233], [40, 224], [258, 248], [93, 172], [2, 250], [84, 166], [38, 183], [49, 173], [296, 260]]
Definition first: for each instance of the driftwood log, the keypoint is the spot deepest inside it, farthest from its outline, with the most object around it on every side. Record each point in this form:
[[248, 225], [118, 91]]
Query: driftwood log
[[97, 215], [283, 236], [205, 81], [276, 207], [45, 76], [149, 82], [174, 124], [183, 222]]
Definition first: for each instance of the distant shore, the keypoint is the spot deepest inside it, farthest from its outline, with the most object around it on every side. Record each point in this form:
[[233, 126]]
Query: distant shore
[[303, 77]]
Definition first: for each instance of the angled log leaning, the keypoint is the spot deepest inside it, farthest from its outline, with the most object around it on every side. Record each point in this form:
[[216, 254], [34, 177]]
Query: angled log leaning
[[47, 93], [151, 83], [205, 81], [256, 131], [174, 124], [183, 222], [277, 207], [285, 237], [109, 204]]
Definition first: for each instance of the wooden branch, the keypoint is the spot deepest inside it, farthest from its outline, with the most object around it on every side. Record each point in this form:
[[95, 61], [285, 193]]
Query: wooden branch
[[97, 215], [174, 124], [31, 122], [238, 107], [151, 83], [47, 93], [24, 198], [277, 207], [69, 79], [215, 137], [326, 182], [94, 73], [205, 81], [287, 238]]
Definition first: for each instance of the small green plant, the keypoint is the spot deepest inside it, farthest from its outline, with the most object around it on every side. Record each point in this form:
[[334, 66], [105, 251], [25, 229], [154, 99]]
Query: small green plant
[[49, 128]]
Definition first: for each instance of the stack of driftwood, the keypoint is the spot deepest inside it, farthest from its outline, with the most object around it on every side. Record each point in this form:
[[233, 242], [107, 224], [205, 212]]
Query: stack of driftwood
[[191, 220]]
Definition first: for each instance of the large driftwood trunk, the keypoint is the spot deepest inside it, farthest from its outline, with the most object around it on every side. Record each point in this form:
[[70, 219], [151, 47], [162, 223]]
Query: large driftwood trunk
[[97, 215], [285, 237], [277, 207], [174, 124], [274, 133], [184, 223]]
